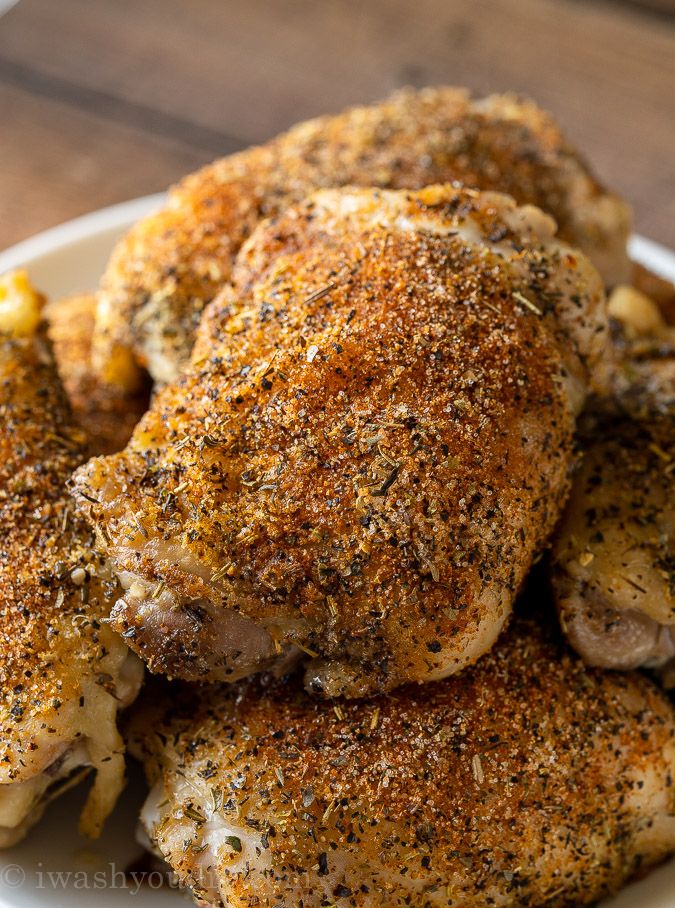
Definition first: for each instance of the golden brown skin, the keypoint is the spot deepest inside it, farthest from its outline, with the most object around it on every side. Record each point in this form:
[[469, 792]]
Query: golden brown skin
[[63, 674], [369, 450], [171, 264], [107, 416], [529, 780]]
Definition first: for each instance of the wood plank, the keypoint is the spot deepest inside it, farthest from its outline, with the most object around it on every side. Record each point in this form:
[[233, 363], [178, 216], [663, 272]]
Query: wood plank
[[250, 67], [241, 71], [58, 162], [665, 8]]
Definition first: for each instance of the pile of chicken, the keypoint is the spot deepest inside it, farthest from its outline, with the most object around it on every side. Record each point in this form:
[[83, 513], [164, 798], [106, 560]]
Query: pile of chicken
[[396, 362]]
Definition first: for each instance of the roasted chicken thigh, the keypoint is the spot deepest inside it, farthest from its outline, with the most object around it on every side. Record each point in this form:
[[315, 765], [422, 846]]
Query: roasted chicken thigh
[[369, 450], [171, 264], [527, 780], [63, 672], [614, 554]]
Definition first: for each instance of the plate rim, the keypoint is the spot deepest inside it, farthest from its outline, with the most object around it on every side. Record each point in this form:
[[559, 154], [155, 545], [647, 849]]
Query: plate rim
[[69, 233]]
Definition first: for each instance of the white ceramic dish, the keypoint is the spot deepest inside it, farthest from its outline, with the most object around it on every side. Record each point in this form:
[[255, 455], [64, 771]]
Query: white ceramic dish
[[54, 867]]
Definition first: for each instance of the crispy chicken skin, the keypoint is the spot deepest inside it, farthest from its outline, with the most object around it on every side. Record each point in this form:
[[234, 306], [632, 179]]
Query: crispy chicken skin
[[63, 674], [107, 416], [171, 264], [529, 780], [370, 448]]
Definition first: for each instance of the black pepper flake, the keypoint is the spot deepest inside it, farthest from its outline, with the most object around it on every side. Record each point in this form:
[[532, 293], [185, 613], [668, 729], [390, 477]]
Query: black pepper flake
[[387, 484], [323, 864]]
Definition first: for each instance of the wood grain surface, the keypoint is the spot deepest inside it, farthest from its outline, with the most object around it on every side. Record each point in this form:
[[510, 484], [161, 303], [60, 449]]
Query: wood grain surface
[[104, 100]]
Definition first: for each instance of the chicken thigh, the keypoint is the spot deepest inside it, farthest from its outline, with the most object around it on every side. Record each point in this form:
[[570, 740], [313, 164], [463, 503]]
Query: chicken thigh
[[529, 780], [63, 673], [369, 450], [171, 264], [614, 555]]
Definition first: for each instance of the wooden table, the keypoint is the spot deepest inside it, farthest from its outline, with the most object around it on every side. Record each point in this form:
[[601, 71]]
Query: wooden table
[[104, 100]]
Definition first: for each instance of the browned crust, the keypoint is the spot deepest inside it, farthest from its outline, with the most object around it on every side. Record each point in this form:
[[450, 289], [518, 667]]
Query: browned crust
[[50, 631], [524, 781], [172, 264], [374, 433]]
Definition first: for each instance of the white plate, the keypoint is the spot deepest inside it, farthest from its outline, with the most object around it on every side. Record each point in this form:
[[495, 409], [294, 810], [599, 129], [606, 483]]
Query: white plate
[[54, 867]]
